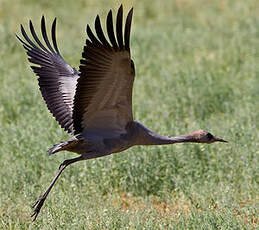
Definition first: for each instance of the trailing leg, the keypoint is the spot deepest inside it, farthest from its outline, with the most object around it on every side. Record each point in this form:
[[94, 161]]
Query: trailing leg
[[39, 203]]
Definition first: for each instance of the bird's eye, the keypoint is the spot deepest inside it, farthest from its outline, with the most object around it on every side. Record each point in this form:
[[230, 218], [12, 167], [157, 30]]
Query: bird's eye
[[209, 136]]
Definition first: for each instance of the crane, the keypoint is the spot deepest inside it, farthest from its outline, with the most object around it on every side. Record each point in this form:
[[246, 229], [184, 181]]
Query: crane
[[93, 104]]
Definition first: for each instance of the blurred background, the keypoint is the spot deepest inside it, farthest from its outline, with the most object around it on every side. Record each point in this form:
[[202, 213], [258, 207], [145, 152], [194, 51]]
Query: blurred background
[[196, 68]]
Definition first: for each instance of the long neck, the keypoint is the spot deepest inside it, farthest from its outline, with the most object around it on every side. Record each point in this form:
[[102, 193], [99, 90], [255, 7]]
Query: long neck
[[148, 137], [155, 139]]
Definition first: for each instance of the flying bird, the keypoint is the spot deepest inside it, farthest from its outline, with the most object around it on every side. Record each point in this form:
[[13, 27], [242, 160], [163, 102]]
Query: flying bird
[[93, 104]]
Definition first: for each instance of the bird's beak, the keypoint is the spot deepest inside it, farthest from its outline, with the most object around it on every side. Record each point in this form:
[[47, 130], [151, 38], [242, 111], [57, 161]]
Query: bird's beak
[[220, 140]]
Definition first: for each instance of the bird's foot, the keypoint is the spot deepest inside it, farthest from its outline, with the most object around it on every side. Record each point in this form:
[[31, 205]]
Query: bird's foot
[[37, 206]]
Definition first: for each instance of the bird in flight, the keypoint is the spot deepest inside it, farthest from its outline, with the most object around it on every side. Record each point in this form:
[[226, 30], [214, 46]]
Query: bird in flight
[[94, 104]]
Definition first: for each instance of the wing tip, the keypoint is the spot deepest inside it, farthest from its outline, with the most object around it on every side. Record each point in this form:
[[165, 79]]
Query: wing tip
[[127, 29], [119, 19], [110, 30], [53, 35], [121, 7], [113, 41]]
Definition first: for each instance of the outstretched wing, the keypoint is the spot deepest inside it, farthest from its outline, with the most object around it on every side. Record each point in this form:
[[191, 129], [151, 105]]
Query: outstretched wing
[[103, 100], [57, 80]]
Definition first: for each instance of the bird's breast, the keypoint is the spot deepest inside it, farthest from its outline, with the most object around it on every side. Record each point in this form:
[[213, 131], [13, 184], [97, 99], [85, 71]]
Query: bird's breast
[[116, 145]]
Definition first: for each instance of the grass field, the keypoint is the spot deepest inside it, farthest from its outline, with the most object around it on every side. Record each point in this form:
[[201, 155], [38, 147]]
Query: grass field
[[197, 66]]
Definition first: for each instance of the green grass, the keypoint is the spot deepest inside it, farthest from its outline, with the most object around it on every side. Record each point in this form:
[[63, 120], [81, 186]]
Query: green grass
[[196, 67]]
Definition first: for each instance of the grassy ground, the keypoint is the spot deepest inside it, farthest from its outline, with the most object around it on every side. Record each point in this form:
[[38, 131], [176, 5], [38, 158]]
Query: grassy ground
[[197, 67]]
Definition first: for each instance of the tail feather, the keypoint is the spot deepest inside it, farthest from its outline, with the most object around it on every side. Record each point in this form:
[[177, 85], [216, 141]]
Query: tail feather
[[72, 145], [56, 148]]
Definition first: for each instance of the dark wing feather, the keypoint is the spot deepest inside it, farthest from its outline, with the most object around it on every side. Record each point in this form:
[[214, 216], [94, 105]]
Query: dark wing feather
[[44, 34], [99, 32], [127, 30], [92, 37], [109, 26], [57, 80], [103, 100], [53, 34], [119, 27]]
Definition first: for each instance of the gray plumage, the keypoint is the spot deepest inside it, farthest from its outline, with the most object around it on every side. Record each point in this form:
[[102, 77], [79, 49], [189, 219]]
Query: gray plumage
[[94, 104]]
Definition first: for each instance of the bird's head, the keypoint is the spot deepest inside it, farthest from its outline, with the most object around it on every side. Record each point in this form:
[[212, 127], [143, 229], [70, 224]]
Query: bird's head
[[202, 136]]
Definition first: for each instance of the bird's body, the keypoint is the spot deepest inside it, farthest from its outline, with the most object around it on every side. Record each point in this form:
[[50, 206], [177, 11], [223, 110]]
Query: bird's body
[[94, 104], [107, 142]]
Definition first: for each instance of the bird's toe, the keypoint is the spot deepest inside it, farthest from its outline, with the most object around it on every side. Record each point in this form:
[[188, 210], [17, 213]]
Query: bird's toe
[[37, 206]]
